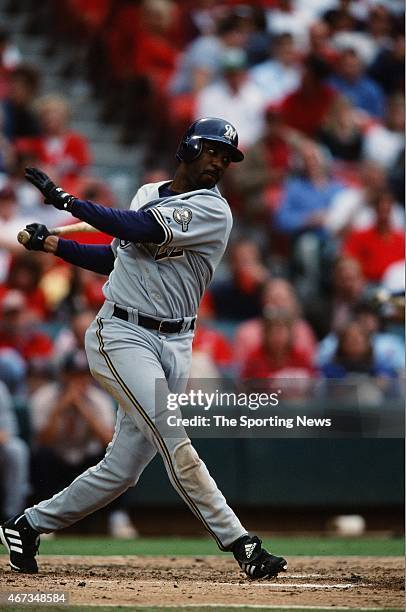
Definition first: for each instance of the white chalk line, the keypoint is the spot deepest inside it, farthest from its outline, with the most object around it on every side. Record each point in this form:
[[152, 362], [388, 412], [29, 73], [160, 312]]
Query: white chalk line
[[216, 606], [298, 576], [296, 585]]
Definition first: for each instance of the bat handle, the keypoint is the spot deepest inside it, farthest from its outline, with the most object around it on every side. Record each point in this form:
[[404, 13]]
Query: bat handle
[[23, 236]]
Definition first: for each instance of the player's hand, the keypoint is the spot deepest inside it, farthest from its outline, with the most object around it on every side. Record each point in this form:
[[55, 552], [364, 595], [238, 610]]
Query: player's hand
[[38, 234], [53, 194]]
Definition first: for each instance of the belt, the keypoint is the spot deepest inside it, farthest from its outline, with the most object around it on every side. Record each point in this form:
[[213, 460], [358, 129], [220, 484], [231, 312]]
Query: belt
[[174, 326]]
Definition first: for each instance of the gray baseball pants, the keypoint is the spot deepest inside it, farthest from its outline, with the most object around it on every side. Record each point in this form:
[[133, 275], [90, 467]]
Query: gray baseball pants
[[127, 359]]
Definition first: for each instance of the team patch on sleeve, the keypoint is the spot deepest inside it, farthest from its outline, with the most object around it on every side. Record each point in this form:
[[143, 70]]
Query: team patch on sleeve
[[183, 217]]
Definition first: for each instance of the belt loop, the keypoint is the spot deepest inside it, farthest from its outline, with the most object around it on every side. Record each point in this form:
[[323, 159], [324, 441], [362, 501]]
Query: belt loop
[[133, 314]]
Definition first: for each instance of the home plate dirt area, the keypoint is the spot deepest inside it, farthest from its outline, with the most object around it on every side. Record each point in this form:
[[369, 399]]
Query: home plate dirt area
[[354, 582]]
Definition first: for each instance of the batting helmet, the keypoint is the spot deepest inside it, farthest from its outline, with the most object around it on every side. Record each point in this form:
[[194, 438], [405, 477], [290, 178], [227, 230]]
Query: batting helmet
[[211, 129]]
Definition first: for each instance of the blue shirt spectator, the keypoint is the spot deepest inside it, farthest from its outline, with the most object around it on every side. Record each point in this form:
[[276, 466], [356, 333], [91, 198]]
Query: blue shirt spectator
[[307, 198], [302, 199], [362, 91], [387, 348]]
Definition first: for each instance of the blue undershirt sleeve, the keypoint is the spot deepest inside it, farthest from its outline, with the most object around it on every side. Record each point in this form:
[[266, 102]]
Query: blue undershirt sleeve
[[95, 257], [129, 225]]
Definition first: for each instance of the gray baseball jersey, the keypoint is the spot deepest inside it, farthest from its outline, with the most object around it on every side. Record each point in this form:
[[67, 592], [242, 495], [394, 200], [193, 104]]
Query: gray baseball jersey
[[168, 280]]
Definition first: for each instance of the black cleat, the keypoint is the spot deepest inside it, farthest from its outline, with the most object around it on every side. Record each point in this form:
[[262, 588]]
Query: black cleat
[[22, 543], [255, 561]]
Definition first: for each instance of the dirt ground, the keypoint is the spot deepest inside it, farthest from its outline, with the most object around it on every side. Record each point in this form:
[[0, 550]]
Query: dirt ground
[[320, 581]]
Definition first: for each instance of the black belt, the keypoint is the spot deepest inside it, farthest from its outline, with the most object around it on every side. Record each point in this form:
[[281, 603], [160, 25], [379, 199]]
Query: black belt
[[160, 325]]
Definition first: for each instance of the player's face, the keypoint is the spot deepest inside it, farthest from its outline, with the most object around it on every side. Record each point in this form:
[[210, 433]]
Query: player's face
[[209, 167]]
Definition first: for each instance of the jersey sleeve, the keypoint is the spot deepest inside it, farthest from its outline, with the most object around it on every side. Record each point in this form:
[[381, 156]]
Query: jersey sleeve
[[198, 224]]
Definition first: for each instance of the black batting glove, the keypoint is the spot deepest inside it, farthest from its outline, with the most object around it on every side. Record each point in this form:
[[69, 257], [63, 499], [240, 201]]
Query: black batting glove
[[38, 234], [53, 194]]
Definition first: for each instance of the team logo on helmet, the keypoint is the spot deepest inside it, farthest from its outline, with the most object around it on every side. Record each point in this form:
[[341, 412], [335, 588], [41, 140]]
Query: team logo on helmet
[[183, 216], [230, 132]]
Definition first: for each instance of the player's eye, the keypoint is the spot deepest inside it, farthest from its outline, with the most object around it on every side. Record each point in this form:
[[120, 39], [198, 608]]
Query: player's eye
[[226, 160]]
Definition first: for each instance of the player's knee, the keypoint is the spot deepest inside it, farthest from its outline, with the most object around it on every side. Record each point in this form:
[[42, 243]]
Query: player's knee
[[186, 458]]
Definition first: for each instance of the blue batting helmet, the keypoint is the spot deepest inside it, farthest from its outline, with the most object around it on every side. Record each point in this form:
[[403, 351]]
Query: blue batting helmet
[[211, 129]]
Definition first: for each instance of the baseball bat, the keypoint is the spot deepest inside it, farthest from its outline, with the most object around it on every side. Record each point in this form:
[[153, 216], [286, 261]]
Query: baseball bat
[[23, 236]]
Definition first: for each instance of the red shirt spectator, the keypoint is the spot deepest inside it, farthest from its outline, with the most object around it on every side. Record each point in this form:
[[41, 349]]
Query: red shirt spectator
[[17, 330], [260, 364], [277, 357], [65, 151], [377, 247], [214, 344], [277, 293], [306, 108], [154, 53], [25, 276]]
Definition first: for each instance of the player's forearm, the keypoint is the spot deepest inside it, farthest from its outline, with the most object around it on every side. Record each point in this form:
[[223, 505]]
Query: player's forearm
[[94, 257], [129, 225]]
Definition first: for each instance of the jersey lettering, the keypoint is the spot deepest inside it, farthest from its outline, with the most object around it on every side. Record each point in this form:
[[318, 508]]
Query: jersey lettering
[[165, 253], [124, 243]]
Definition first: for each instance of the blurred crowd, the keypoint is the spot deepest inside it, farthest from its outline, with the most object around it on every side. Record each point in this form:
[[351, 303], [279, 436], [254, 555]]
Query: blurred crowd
[[312, 286]]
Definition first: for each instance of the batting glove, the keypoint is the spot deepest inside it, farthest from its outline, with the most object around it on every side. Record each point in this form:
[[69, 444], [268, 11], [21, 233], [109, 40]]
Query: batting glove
[[53, 194], [38, 234]]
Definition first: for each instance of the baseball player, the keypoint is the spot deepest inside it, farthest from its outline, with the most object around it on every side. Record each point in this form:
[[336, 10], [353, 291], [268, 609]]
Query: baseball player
[[165, 251]]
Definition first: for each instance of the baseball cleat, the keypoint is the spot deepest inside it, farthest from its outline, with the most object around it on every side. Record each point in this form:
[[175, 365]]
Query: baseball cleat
[[22, 543], [255, 561]]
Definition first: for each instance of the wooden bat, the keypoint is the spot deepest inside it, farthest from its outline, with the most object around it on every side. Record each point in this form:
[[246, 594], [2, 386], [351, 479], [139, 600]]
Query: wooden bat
[[23, 236]]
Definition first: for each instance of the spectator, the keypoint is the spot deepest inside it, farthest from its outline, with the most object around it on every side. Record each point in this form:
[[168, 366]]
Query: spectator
[[236, 92], [280, 75], [63, 150], [384, 143], [18, 331], [378, 246], [277, 294], [351, 81], [201, 62], [72, 423], [19, 118], [211, 349], [239, 297], [85, 292], [320, 43], [302, 215], [306, 107], [354, 361], [278, 359], [352, 207], [10, 55], [267, 163], [334, 312], [154, 52], [30, 202], [7, 151], [341, 132], [288, 16], [259, 38], [11, 222], [388, 348], [72, 337], [25, 277], [13, 371], [14, 460], [388, 68], [307, 197]]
